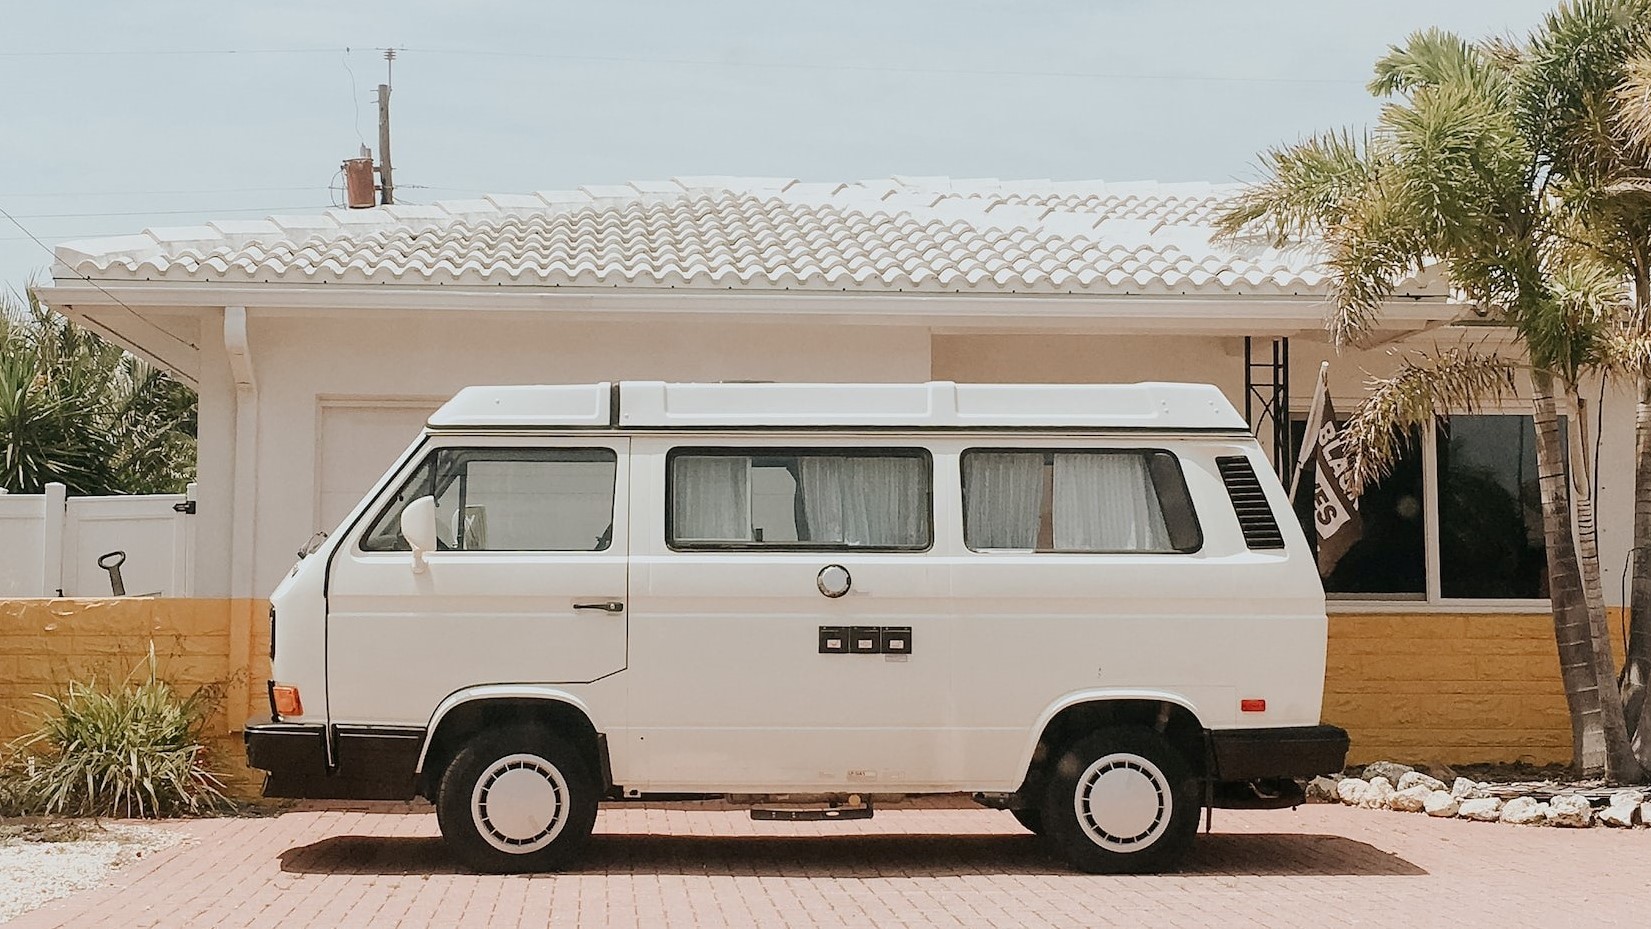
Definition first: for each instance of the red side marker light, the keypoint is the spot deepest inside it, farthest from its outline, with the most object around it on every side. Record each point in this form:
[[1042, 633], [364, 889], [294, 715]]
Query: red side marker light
[[1252, 706]]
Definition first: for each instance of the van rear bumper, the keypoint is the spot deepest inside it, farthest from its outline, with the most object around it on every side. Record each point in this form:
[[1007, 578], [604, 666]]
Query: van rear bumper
[[1292, 751], [375, 763]]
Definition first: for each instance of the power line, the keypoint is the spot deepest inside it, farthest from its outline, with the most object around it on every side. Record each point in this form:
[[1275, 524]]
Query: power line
[[87, 278], [355, 99], [247, 209], [723, 63], [163, 52], [147, 193], [890, 69]]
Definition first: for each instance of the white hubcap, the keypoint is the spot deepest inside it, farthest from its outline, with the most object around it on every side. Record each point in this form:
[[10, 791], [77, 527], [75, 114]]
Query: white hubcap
[[1123, 802], [520, 803]]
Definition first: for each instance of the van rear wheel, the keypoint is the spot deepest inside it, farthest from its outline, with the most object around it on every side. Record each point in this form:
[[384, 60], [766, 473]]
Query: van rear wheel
[[519, 799], [1121, 801]]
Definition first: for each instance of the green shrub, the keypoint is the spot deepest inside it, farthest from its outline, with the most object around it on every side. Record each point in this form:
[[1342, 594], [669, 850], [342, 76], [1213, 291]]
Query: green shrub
[[132, 749]]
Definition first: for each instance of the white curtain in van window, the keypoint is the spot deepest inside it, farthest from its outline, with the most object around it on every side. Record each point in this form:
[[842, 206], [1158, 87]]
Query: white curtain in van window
[[1003, 499], [1106, 502], [863, 501], [711, 498]]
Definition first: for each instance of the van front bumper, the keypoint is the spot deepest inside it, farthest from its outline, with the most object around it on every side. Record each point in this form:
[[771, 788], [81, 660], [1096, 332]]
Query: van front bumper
[[1292, 751], [371, 763]]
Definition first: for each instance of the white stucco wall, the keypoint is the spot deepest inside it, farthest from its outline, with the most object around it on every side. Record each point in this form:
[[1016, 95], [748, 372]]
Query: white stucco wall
[[304, 362]]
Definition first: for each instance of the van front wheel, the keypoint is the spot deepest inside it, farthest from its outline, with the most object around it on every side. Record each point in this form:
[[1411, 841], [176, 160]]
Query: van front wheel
[[519, 799], [1121, 801]]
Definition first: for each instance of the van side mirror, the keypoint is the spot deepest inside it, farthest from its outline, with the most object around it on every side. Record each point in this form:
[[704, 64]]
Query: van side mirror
[[418, 527]]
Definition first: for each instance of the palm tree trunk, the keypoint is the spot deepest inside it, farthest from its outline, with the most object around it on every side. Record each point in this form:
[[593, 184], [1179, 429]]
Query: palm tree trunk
[[1621, 765], [1637, 667], [1571, 629]]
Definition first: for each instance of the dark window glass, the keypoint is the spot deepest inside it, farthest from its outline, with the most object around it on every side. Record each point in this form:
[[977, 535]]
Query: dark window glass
[[799, 499], [508, 499], [1077, 500], [1390, 558], [1490, 509]]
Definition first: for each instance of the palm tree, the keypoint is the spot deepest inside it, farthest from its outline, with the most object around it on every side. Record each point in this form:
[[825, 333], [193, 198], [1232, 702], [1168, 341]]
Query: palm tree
[[1589, 80], [1452, 175], [80, 411]]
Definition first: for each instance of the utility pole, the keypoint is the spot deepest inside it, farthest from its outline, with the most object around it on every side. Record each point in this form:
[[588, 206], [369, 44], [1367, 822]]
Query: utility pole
[[386, 182]]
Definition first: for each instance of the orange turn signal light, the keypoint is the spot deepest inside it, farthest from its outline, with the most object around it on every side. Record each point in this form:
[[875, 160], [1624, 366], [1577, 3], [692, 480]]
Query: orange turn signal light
[[1244, 706], [284, 697]]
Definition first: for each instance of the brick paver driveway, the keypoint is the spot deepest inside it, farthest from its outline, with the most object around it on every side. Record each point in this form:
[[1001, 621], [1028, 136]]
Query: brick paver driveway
[[668, 867]]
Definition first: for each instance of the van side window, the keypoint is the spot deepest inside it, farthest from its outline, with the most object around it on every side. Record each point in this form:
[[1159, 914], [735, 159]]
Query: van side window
[[508, 500], [799, 499], [1077, 500]]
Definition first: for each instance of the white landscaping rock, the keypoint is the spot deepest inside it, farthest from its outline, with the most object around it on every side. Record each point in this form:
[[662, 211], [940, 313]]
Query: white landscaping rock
[[1628, 796], [1351, 790], [1390, 770], [1523, 811], [1621, 815], [1375, 795], [1626, 809], [1570, 810], [1464, 789], [1481, 809], [32, 873], [1410, 800], [1322, 790], [1413, 778], [1440, 803], [1645, 814]]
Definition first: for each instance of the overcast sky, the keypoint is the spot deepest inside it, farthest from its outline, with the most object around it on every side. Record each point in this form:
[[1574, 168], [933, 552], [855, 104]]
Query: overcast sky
[[122, 116]]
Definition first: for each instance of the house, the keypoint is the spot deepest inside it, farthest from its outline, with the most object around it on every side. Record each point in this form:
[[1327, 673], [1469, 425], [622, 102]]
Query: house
[[318, 344]]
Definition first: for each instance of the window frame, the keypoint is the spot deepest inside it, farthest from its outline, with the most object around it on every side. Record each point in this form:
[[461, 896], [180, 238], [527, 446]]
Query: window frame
[[429, 459], [1048, 451], [1432, 599], [916, 452]]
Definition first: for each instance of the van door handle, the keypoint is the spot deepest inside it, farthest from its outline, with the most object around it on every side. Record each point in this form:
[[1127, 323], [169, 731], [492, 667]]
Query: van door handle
[[606, 606]]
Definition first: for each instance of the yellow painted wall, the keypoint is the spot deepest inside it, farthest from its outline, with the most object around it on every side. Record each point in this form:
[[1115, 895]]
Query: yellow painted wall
[[1457, 689], [45, 643], [1418, 688]]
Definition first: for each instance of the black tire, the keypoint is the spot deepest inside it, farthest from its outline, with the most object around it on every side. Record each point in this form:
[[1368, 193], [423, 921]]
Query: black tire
[[544, 802], [1149, 816], [1031, 820]]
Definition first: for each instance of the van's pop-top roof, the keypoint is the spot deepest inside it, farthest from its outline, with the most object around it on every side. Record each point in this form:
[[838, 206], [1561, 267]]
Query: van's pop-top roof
[[935, 405]]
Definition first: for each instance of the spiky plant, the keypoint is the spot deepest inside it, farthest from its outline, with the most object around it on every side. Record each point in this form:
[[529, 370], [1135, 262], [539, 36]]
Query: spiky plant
[[80, 411], [132, 748]]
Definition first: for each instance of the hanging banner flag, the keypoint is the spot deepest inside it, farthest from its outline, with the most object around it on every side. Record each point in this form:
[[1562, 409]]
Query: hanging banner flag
[[1335, 508]]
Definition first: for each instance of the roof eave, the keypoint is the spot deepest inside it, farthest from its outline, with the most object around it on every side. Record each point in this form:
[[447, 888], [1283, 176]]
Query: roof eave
[[1234, 312]]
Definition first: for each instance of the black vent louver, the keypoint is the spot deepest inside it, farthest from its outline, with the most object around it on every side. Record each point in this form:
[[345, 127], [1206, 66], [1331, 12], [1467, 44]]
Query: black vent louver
[[1255, 514]]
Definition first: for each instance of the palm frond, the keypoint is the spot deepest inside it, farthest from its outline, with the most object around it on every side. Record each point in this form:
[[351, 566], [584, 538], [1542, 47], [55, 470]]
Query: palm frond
[[77, 410], [1421, 389], [1306, 188], [1430, 58], [1633, 99], [1627, 354]]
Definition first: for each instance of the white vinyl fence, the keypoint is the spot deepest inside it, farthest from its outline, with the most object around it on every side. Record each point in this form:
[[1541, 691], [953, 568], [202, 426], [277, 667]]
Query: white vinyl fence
[[51, 544]]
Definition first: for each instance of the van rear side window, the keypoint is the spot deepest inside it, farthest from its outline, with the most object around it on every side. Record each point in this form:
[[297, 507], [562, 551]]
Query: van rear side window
[[808, 499], [508, 500], [1077, 500]]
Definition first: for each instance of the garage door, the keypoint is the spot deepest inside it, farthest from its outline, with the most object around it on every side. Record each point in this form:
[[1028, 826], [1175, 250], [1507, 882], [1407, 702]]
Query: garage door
[[359, 441]]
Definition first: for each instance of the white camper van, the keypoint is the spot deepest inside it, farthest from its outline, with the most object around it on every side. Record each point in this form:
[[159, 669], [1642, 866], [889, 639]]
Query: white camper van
[[1088, 605]]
